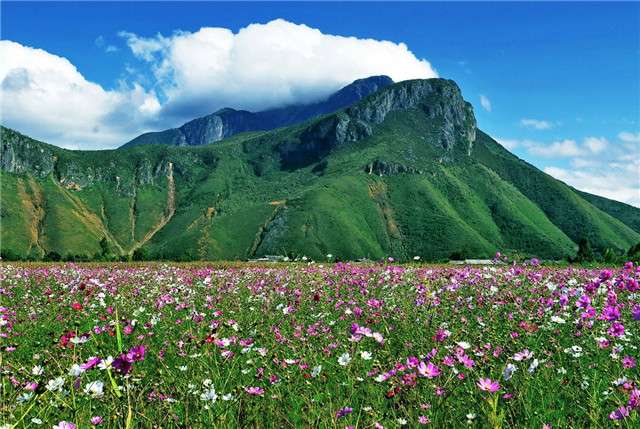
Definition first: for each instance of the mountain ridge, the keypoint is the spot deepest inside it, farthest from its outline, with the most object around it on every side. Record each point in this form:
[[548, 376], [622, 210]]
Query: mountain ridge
[[402, 172], [227, 122]]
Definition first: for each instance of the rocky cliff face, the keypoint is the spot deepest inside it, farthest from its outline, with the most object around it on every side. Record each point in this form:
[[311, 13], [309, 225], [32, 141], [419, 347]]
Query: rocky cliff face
[[20, 154], [440, 99], [228, 122]]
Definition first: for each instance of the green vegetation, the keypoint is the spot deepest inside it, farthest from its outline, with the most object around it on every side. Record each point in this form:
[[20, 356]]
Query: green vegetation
[[381, 178]]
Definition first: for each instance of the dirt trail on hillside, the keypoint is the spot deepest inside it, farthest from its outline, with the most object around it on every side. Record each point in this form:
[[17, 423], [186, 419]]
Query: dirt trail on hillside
[[168, 214]]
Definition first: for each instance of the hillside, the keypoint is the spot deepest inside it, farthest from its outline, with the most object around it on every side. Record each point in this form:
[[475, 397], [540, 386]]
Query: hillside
[[402, 172]]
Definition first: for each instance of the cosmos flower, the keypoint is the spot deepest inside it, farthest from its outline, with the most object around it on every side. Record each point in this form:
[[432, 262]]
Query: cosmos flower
[[428, 370], [256, 391], [64, 425], [488, 385], [344, 359]]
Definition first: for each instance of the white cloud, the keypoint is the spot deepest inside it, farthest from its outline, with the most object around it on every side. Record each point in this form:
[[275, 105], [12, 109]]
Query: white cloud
[[595, 144], [265, 65], [485, 103], [45, 96], [621, 184], [567, 147], [628, 137], [536, 124], [509, 144], [563, 148]]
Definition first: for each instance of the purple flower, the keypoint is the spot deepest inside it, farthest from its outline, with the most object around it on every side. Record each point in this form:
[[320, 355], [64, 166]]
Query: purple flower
[[344, 411], [635, 312], [122, 365]]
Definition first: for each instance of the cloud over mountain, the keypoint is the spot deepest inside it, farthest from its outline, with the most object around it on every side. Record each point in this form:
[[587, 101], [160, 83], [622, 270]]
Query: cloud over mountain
[[260, 66], [265, 65]]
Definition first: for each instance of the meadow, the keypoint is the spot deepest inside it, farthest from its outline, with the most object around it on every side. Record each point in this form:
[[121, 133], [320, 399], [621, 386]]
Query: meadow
[[319, 345]]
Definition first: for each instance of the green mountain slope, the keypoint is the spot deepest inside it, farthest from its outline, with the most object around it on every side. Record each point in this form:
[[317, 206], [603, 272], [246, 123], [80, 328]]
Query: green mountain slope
[[403, 172]]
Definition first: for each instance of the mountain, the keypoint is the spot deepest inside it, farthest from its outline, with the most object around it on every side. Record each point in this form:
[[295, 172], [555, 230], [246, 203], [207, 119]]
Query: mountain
[[402, 172], [228, 122]]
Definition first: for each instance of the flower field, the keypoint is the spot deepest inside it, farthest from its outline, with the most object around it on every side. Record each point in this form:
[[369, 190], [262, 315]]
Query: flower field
[[334, 345]]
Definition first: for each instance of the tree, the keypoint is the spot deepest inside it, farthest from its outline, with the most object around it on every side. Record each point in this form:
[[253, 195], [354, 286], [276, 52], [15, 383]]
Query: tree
[[585, 252], [104, 247], [140, 254]]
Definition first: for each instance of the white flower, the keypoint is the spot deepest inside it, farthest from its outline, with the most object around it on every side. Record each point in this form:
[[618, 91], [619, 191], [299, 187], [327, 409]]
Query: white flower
[[55, 384], [575, 351], [227, 397], [463, 344], [402, 422], [79, 340], [37, 370], [533, 366], [75, 370], [106, 363], [94, 388], [365, 355], [508, 371], [183, 368], [316, 371], [36, 421], [557, 319], [344, 359], [209, 395], [471, 416]]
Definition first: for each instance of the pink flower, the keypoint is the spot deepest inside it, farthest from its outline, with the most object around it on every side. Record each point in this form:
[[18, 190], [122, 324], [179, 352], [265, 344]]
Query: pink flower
[[256, 391], [96, 420], [64, 425], [424, 420], [628, 362], [428, 370], [488, 385]]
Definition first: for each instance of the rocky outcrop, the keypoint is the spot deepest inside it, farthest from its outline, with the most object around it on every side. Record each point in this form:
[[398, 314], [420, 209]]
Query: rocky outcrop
[[228, 122], [20, 154], [382, 168], [438, 98]]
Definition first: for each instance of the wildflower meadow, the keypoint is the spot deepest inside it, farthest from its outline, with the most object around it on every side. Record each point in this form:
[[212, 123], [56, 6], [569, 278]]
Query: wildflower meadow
[[319, 345]]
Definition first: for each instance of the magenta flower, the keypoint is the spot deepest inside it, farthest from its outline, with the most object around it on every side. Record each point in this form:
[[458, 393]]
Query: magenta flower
[[635, 312], [619, 413], [256, 391], [488, 385], [93, 361], [428, 370], [628, 362], [136, 354], [616, 329]]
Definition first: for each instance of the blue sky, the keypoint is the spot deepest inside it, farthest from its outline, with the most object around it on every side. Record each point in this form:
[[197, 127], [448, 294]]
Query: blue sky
[[560, 81]]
